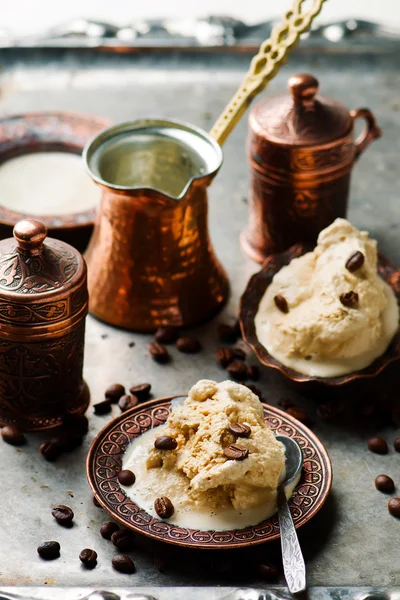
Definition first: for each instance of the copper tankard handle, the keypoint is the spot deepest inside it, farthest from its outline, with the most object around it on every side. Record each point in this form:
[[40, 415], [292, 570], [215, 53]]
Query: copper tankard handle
[[370, 133]]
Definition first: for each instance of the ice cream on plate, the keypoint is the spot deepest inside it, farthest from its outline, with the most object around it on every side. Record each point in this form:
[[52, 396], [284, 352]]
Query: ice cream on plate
[[329, 312], [222, 468]]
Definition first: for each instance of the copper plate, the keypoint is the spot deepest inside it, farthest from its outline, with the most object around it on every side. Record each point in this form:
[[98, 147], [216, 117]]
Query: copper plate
[[104, 462], [255, 290]]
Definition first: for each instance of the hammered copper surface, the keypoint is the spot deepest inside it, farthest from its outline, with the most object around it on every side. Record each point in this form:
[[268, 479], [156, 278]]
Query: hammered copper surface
[[301, 150], [104, 461]]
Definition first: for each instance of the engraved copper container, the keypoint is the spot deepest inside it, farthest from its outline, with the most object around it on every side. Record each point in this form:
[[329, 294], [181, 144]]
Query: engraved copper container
[[301, 150], [43, 305], [150, 259]]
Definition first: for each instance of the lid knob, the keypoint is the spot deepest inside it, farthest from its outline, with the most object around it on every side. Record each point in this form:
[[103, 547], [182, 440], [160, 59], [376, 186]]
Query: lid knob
[[303, 88], [30, 235]]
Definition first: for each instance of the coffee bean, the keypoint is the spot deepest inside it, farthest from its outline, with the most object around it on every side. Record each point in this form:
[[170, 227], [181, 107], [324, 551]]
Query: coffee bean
[[166, 335], [126, 477], [123, 540], [267, 571], [349, 299], [159, 353], [384, 483], [355, 261], [141, 391], [164, 507], [12, 435], [255, 390], [114, 392], [96, 502], [227, 333], [396, 444], [165, 442], [50, 451], [188, 345], [107, 529], [298, 413], [239, 354], [63, 514], [236, 452], [240, 430], [127, 401], [160, 563], [49, 550], [394, 507], [78, 423], [237, 370], [224, 356], [102, 408], [67, 442], [88, 557], [378, 445], [253, 373], [123, 564], [281, 303]]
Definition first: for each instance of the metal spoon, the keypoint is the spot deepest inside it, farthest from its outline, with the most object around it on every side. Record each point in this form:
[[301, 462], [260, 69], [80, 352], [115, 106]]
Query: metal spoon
[[293, 561]]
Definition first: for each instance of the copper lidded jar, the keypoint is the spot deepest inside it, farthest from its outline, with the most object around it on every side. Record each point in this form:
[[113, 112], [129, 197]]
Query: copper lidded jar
[[301, 150], [43, 305]]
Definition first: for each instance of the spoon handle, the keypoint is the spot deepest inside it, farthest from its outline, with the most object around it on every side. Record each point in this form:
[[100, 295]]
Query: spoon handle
[[293, 561]]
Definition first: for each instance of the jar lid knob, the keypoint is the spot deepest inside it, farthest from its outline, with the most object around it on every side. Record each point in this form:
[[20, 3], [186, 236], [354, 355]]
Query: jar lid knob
[[303, 88], [30, 235]]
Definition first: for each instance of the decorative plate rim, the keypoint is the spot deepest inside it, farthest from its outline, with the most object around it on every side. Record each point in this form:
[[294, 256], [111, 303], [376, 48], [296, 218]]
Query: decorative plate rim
[[317, 465], [255, 289]]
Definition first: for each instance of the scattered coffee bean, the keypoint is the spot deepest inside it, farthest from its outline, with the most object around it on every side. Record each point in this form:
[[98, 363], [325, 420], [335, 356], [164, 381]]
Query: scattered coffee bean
[[107, 529], [298, 413], [50, 451], [396, 444], [349, 299], [63, 514], [237, 370], [126, 477], [164, 507], [384, 483], [131, 344], [96, 502], [49, 550], [166, 335], [159, 353], [236, 452], [188, 345], [224, 356], [12, 435], [78, 423], [255, 390], [123, 540], [123, 564], [378, 445], [227, 333], [267, 571], [88, 558], [240, 430], [281, 303], [141, 391], [253, 373], [394, 507], [67, 442], [160, 563], [239, 354], [102, 408], [165, 442], [114, 392], [355, 261], [128, 401]]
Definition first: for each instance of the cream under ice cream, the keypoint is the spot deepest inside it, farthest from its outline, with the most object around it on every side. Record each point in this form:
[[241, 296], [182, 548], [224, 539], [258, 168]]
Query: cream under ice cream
[[329, 312]]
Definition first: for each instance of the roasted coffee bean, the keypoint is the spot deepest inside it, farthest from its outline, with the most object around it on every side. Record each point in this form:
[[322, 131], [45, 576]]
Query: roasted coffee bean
[[164, 507], [141, 391], [267, 571], [96, 502], [128, 401], [240, 430], [396, 444], [281, 303], [355, 261], [49, 550], [239, 354], [12, 435], [78, 423], [237, 370], [255, 390], [349, 299], [165, 442], [378, 445], [63, 514], [67, 442], [88, 558], [224, 356], [114, 392], [123, 540], [166, 335], [102, 408], [236, 452], [126, 477], [159, 353], [227, 333], [394, 507], [160, 563], [253, 373], [107, 529], [50, 451], [384, 483], [188, 345], [298, 413], [123, 564]]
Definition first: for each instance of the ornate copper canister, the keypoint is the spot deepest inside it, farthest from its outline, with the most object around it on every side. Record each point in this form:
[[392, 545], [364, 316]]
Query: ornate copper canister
[[43, 305], [301, 150]]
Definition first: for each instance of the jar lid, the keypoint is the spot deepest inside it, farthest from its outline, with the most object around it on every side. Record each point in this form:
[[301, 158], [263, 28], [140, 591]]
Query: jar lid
[[301, 118]]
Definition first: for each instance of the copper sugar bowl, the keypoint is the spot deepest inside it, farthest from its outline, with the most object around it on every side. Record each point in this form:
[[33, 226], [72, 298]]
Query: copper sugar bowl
[[301, 150], [150, 259], [43, 305]]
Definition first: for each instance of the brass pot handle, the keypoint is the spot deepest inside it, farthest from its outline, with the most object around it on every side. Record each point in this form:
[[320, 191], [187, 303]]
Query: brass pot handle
[[370, 133]]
